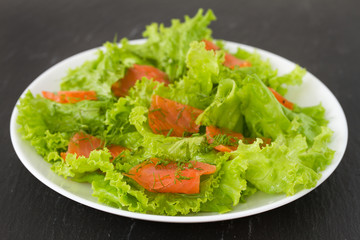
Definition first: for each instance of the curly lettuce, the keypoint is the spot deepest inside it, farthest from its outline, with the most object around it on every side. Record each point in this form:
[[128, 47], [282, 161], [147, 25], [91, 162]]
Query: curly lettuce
[[236, 99]]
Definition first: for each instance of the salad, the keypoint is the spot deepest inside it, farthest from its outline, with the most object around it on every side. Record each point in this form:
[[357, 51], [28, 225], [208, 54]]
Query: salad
[[178, 125]]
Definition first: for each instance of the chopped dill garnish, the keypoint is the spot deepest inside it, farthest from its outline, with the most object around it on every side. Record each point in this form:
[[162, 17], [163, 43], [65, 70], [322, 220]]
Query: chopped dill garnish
[[183, 178], [192, 115], [190, 165], [223, 139], [186, 134], [161, 181], [154, 110], [179, 114], [137, 170], [205, 147], [163, 114], [180, 177], [169, 133], [162, 162]]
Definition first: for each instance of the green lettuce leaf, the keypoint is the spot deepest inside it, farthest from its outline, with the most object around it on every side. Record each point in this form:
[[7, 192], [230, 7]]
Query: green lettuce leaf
[[34, 127], [224, 111], [278, 168], [307, 121], [319, 155], [37, 114], [317, 113], [264, 115], [263, 70], [203, 68], [236, 99], [115, 190], [250, 190], [74, 165], [143, 90], [259, 67], [99, 74], [230, 187], [195, 89], [293, 78], [168, 46], [118, 130], [173, 148]]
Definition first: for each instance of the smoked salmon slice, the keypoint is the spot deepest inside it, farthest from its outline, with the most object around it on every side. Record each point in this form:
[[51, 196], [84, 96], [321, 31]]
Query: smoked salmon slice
[[69, 96], [232, 61], [170, 178], [212, 132], [286, 103], [171, 118], [121, 87], [116, 150], [83, 144]]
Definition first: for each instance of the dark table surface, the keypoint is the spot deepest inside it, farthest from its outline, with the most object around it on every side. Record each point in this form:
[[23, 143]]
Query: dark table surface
[[322, 35]]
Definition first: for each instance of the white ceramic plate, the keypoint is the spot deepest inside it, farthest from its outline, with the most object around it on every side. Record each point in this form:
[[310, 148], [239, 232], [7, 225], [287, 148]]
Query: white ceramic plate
[[311, 92]]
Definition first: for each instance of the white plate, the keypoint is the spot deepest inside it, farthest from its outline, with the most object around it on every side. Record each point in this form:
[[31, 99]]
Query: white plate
[[311, 92]]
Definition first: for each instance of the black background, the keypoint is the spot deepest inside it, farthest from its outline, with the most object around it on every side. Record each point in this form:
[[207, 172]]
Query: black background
[[323, 36]]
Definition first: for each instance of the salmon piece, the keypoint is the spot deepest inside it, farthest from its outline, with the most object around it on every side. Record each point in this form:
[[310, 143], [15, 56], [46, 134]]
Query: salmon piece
[[212, 131], [209, 45], [116, 150], [223, 148], [170, 178], [121, 87], [82, 144], [286, 103], [70, 96], [230, 60], [51, 96], [171, 118]]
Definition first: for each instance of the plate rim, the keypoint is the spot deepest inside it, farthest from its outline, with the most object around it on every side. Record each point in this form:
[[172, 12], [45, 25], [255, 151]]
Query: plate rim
[[163, 218]]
